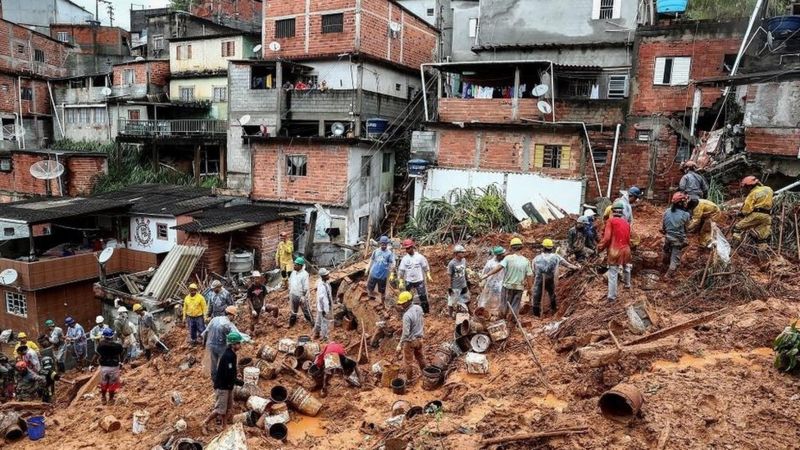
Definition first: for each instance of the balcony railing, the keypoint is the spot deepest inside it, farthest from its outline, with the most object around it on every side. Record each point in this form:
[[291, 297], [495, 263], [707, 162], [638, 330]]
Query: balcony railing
[[180, 127]]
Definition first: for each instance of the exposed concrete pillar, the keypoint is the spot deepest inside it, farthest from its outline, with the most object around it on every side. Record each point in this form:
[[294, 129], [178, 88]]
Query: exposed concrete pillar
[[196, 163], [515, 97]]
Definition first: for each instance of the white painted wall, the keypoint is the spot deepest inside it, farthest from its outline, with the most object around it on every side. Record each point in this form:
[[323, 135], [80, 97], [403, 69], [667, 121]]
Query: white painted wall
[[144, 237], [344, 75], [519, 188]]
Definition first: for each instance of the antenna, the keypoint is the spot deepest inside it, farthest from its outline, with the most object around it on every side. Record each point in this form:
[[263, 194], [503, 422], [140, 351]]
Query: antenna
[[105, 255], [106, 91], [257, 48], [274, 46], [540, 90], [337, 129], [244, 120], [138, 58], [544, 107], [8, 277], [47, 169]]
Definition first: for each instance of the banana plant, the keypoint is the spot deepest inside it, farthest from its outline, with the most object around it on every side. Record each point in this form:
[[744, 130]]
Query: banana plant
[[787, 346]]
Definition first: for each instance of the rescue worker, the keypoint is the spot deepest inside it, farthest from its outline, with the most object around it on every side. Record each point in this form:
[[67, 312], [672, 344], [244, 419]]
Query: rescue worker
[[617, 239], [96, 334], [56, 338], [756, 211], [215, 334], [413, 333], [627, 199], [218, 299], [673, 225], [517, 275], [545, 270], [225, 378], [324, 305], [76, 337], [579, 243], [195, 311], [298, 292], [50, 375], [148, 332], [284, 255], [412, 272], [692, 183], [330, 367], [30, 357], [7, 375], [29, 384], [704, 213], [381, 263], [489, 300], [110, 353], [458, 298], [23, 340], [256, 299], [123, 331], [591, 230]]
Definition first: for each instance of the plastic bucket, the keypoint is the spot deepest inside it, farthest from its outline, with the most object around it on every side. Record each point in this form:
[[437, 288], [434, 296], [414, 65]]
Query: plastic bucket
[[431, 378], [278, 394], [267, 353], [399, 386], [140, 418], [480, 343], [304, 402], [35, 428], [257, 404], [278, 431], [250, 375]]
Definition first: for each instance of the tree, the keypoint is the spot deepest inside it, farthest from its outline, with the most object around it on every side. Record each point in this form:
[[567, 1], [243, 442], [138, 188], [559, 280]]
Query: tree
[[180, 5]]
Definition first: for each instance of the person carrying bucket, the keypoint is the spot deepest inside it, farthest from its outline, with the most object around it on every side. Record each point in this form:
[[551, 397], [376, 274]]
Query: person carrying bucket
[[224, 380], [329, 361], [110, 353]]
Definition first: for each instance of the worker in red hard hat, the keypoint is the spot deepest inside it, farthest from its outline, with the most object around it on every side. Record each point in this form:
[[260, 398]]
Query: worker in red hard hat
[[756, 211], [692, 183], [29, 384], [673, 226], [412, 272]]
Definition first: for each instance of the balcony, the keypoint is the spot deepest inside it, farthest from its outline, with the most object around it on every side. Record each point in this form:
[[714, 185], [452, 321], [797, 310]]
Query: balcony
[[51, 272], [500, 110], [181, 128], [86, 95]]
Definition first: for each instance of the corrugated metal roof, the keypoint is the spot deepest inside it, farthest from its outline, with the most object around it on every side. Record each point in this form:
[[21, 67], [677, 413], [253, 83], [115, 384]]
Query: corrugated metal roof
[[221, 229], [176, 268], [40, 210], [237, 217], [162, 199]]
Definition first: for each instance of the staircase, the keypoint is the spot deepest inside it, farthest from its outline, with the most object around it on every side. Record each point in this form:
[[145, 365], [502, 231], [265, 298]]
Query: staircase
[[397, 215]]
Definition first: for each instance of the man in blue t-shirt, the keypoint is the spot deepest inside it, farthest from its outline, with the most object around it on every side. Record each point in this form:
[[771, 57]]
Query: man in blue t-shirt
[[380, 265]]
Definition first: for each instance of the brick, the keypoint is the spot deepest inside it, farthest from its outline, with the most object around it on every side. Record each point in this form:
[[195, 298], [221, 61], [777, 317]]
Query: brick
[[81, 175]]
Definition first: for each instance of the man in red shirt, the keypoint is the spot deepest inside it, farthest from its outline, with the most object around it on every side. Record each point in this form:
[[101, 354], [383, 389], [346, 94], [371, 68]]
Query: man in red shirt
[[334, 363], [617, 239]]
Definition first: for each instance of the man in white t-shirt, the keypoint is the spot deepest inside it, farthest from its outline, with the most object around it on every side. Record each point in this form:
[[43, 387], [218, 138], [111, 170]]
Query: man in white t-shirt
[[412, 272]]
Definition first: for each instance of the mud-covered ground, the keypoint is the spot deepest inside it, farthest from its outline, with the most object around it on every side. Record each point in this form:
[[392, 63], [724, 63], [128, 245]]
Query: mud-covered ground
[[711, 386]]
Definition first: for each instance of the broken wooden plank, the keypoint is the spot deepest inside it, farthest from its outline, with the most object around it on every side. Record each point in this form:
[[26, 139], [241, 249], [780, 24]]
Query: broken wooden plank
[[529, 436], [599, 357], [90, 384], [660, 334], [22, 406]]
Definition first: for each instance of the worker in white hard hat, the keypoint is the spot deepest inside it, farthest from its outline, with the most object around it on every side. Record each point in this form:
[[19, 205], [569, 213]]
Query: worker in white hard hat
[[218, 299], [123, 332], [95, 336], [324, 305], [458, 297]]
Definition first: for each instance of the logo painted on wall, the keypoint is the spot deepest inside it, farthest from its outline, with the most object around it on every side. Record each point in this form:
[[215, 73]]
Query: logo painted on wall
[[141, 233]]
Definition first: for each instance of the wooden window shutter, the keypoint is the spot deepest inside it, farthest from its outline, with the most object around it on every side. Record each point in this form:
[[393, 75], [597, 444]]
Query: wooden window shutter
[[538, 155], [565, 156]]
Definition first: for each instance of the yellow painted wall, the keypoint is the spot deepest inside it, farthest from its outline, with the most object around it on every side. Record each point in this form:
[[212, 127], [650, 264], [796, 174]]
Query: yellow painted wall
[[203, 90], [206, 54]]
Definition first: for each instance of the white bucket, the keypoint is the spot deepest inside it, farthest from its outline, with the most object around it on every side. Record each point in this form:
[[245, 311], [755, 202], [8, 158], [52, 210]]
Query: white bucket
[[277, 413], [257, 404], [140, 418], [477, 363], [250, 375], [287, 345]]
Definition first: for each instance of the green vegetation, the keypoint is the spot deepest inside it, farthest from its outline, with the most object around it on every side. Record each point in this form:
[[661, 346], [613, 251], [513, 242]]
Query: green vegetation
[[731, 9], [787, 346], [180, 5], [68, 145]]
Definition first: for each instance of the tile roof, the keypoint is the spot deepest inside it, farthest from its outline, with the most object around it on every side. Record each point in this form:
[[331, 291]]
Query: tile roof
[[164, 199], [46, 209], [232, 218]]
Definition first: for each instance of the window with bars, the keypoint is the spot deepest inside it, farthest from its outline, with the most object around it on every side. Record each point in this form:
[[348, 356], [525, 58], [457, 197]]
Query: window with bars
[[606, 9], [62, 36], [333, 23], [363, 226], [16, 304], [366, 166], [221, 94], [284, 28], [579, 88], [5, 165], [186, 93], [161, 231], [297, 165], [552, 156], [128, 76], [228, 49], [38, 55], [386, 164], [600, 156], [158, 42], [27, 93]]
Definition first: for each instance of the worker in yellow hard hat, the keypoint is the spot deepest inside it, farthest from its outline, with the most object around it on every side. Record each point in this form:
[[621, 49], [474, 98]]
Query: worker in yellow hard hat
[[704, 213], [516, 278], [195, 311], [756, 211], [284, 256], [23, 340], [545, 270], [413, 331]]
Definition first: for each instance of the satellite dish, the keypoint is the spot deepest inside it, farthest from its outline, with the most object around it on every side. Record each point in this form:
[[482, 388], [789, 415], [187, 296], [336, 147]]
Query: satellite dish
[[106, 91], [244, 120], [139, 58], [8, 277], [47, 169], [105, 255], [337, 129], [274, 46], [544, 107], [540, 90], [257, 48]]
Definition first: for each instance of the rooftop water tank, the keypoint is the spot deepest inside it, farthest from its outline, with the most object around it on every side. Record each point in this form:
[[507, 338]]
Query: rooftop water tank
[[671, 6], [240, 261], [376, 127]]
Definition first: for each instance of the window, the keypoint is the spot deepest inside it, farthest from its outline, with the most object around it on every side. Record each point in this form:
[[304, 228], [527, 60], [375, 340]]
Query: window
[[100, 116], [606, 9], [643, 135], [5, 164], [296, 165], [220, 94], [617, 86], [576, 87], [161, 231], [27, 93], [16, 304], [158, 42], [228, 48], [684, 152], [284, 28], [333, 23], [366, 166], [261, 77], [184, 52], [430, 12], [133, 114], [552, 156], [398, 87], [128, 76], [386, 165], [8, 231], [673, 71], [727, 62], [38, 55], [473, 27], [187, 93], [600, 156], [363, 226], [20, 48], [62, 36]]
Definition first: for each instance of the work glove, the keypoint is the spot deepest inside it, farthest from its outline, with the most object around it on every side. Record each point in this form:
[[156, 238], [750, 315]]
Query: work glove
[[255, 314], [391, 277], [263, 309], [402, 285], [399, 347], [428, 276]]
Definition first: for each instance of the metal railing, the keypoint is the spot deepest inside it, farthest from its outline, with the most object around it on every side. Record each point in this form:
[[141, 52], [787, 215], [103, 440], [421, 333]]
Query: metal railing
[[180, 127]]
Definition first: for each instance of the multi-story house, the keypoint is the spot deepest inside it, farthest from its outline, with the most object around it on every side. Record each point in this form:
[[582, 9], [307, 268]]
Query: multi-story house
[[95, 48], [243, 15], [40, 14]]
